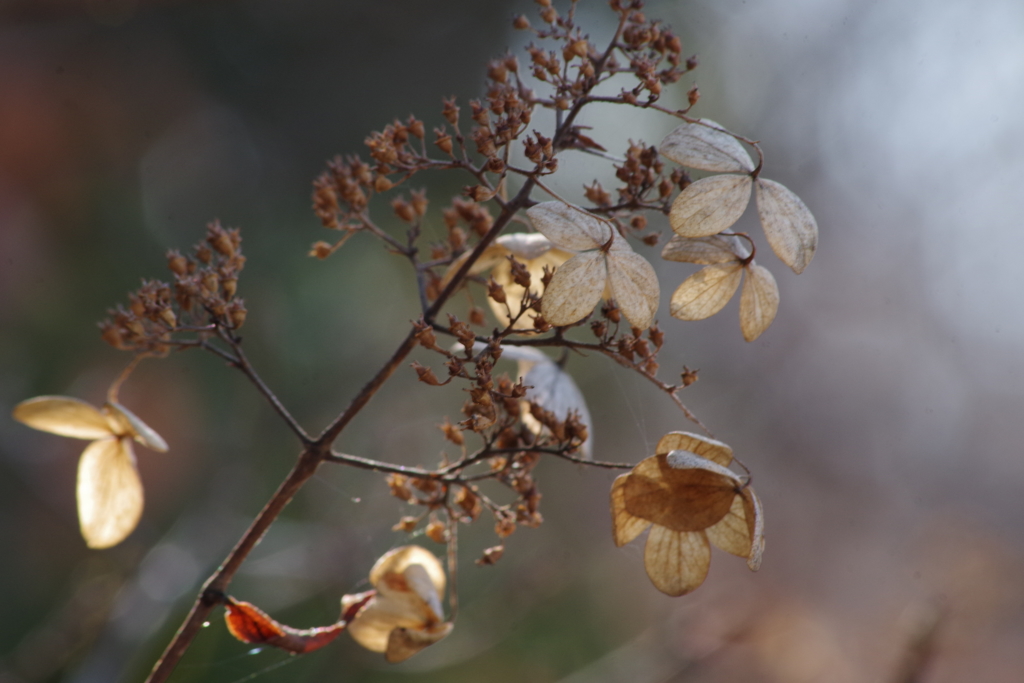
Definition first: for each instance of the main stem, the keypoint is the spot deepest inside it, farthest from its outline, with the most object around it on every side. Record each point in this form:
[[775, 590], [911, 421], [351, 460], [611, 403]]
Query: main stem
[[312, 456]]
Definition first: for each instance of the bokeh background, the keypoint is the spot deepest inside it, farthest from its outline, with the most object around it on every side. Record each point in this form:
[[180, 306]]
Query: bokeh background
[[881, 413]]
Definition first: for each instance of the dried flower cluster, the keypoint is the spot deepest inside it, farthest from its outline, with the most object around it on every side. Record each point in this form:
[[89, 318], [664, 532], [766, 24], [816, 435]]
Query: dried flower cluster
[[544, 288]]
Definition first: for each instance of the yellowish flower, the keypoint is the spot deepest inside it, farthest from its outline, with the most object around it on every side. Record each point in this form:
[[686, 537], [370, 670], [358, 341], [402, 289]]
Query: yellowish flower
[[405, 615], [690, 500], [109, 491]]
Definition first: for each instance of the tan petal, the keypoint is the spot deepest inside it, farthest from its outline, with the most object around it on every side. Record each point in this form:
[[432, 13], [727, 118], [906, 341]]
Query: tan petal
[[63, 415], [109, 492], [703, 250], [759, 302], [706, 292], [490, 257], [128, 423], [788, 224], [634, 286], [706, 146], [676, 562], [525, 246], [404, 643], [625, 527], [397, 559], [710, 205], [568, 226], [383, 614], [732, 533], [713, 450], [690, 499], [685, 460], [575, 288], [754, 513], [552, 388]]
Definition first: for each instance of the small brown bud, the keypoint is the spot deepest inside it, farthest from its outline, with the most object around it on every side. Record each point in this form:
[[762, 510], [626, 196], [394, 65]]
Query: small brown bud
[[177, 263], [521, 23], [451, 432], [457, 239], [478, 193], [469, 502], [497, 72], [562, 103], [436, 531], [425, 335], [229, 285], [689, 376], [168, 318], [611, 311], [237, 313], [399, 485], [656, 336], [419, 202], [406, 524], [476, 316], [693, 95], [451, 111], [495, 165], [520, 273], [382, 184], [580, 48], [221, 243], [496, 291], [321, 250], [650, 240], [443, 141], [112, 335], [674, 45], [403, 209], [692, 63], [549, 15], [491, 555], [504, 523], [599, 328], [416, 127], [638, 222], [426, 375]]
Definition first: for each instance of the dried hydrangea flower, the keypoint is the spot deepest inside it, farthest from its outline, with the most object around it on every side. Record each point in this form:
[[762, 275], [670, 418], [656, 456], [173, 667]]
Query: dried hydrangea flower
[[109, 490], [713, 204], [405, 614], [604, 266], [690, 500]]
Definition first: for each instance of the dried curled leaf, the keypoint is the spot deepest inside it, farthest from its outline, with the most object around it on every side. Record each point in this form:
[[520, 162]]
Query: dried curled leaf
[[706, 146], [788, 224], [705, 292], [710, 205], [249, 624], [759, 302]]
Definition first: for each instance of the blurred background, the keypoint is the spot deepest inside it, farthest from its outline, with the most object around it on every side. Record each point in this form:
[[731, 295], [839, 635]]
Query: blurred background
[[880, 414]]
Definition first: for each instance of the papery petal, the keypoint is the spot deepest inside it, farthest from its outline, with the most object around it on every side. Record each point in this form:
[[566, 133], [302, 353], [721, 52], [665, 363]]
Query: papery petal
[[706, 251], [491, 256], [677, 562], [64, 416], [570, 227], [759, 302], [690, 499], [707, 146], [634, 286], [706, 292], [525, 246], [710, 205], [788, 224], [625, 527], [130, 424], [404, 642], [754, 513], [703, 446], [575, 288], [732, 533], [502, 274], [109, 492], [396, 560]]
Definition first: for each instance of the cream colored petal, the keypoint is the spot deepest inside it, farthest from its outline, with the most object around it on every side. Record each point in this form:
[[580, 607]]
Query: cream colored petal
[[552, 388], [677, 561], [63, 415], [634, 286], [397, 559], [525, 246], [417, 578], [109, 492], [713, 450], [685, 460], [732, 533], [404, 643], [490, 257], [788, 224], [710, 205], [128, 423], [705, 292], [568, 226], [625, 527], [707, 147], [382, 615], [703, 250], [575, 288], [759, 302], [754, 513]]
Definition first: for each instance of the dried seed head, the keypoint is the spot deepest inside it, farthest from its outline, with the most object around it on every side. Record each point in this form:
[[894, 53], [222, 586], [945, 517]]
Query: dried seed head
[[491, 555], [426, 375], [689, 376], [437, 531], [399, 485], [693, 95], [406, 524], [451, 111], [521, 22], [320, 250], [177, 263], [382, 184]]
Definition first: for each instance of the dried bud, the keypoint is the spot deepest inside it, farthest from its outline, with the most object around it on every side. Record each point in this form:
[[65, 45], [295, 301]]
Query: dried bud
[[419, 202], [599, 328], [611, 312], [638, 222], [497, 72], [416, 127], [426, 375], [399, 485], [203, 253], [403, 209], [476, 316], [478, 193], [504, 523], [580, 48], [496, 292], [692, 63], [650, 240], [491, 555], [520, 273], [425, 335], [689, 376], [382, 184], [168, 318], [656, 336], [451, 112], [220, 242], [406, 524], [443, 141], [469, 502], [237, 313], [451, 432], [549, 15], [521, 22], [321, 250], [693, 95], [436, 531], [112, 335], [229, 285], [177, 263]]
